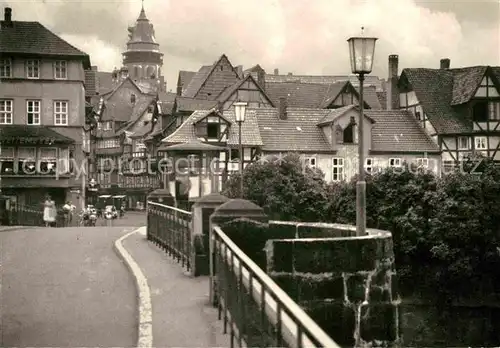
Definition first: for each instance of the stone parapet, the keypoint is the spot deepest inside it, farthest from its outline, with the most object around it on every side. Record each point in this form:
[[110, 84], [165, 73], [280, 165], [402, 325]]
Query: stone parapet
[[346, 284]]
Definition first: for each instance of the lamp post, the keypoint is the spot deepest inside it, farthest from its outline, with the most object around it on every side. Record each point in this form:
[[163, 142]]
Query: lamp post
[[239, 110], [361, 50]]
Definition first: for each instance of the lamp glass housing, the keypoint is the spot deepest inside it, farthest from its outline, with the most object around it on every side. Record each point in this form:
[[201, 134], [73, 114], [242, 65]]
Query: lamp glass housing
[[361, 51], [239, 110]]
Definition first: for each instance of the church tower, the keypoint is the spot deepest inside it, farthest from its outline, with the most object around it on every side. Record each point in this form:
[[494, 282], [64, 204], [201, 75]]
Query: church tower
[[143, 60]]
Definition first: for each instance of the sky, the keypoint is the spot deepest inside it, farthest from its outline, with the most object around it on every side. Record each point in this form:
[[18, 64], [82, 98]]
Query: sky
[[298, 36]]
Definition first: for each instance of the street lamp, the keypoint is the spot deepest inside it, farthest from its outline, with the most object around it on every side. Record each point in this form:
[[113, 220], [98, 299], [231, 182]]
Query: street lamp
[[239, 110], [361, 50]]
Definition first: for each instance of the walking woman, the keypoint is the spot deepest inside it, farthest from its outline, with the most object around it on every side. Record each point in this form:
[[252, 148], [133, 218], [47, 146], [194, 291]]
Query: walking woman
[[49, 212]]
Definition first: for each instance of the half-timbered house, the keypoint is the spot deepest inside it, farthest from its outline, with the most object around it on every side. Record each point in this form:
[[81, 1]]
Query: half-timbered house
[[458, 108]]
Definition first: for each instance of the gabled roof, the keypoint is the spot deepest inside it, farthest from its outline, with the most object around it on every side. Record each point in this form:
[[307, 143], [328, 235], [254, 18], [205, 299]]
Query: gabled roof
[[297, 133], [184, 78], [230, 90], [399, 131], [120, 85], [434, 90], [218, 81], [465, 83], [34, 38], [249, 129], [191, 104], [141, 105], [370, 80], [196, 81], [315, 95], [167, 102], [336, 113], [90, 83], [250, 134]]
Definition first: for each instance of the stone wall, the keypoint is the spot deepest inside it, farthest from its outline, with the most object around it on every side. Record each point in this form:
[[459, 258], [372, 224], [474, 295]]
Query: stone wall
[[347, 285]]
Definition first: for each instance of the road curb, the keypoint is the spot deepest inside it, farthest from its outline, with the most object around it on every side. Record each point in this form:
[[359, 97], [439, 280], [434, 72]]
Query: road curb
[[145, 325], [14, 228]]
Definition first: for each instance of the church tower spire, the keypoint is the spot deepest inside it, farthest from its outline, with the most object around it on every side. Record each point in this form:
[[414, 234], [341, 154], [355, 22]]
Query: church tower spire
[[143, 58]]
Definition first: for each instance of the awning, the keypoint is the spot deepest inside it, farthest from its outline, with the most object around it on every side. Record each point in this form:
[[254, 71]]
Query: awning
[[27, 134]]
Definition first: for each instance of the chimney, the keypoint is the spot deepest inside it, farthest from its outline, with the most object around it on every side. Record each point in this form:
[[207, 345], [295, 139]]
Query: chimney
[[283, 104], [445, 63], [239, 70], [276, 72], [392, 90], [7, 15]]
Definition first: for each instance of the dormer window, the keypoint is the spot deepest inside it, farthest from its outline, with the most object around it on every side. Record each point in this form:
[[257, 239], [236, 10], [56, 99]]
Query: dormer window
[[339, 134], [213, 131], [349, 134], [211, 128]]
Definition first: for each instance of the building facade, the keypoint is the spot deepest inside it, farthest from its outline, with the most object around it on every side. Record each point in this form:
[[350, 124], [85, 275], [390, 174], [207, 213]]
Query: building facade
[[42, 114], [458, 108]]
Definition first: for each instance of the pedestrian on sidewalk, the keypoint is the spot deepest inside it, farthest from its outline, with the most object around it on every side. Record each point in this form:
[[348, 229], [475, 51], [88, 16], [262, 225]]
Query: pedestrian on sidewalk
[[49, 211], [67, 213]]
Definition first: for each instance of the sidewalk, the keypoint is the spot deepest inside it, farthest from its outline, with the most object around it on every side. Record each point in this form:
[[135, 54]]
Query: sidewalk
[[182, 316]]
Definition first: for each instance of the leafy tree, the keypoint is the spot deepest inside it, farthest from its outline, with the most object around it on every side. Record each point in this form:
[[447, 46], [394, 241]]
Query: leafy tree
[[284, 187]]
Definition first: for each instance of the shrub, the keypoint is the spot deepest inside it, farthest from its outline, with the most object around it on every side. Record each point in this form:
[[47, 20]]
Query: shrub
[[283, 187], [446, 231]]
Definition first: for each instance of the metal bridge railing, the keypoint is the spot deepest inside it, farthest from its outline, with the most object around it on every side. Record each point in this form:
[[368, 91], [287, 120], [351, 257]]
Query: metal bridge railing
[[169, 228], [254, 308]]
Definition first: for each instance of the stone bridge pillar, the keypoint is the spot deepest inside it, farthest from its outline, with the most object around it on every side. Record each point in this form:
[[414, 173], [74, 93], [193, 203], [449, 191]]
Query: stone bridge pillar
[[201, 211], [246, 224], [347, 285]]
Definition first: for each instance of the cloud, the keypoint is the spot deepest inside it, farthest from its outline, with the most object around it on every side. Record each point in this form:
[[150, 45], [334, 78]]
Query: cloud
[[304, 37]]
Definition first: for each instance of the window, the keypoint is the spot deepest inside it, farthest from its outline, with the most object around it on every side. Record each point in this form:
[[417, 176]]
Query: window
[[33, 69], [480, 112], [6, 160], [132, 98], [448, 166], [61, 113], [349, 134], [26, 164], [463, 143], [494, 111], [395, 162], [5, 67], [480, 143], [423, 163], [64, 163], [33, 111], [213, 130], [47, 160], [310, 162], [235, 154], [60, 70], [5, 111], [337, 169], [369, 165]]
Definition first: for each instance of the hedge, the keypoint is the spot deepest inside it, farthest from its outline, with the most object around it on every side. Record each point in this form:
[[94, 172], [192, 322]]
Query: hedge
[[445, 229]]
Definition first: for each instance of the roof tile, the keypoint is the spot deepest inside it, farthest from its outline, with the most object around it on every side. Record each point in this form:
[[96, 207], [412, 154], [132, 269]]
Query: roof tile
[[297, 133], [434, 90], [370, 80], [398, 131]]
